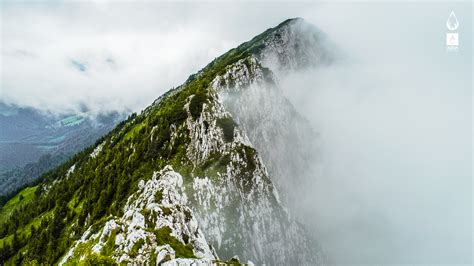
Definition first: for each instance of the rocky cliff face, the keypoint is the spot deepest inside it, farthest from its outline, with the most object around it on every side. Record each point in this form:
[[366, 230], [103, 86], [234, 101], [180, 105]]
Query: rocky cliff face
[[284, 139], [156, 224], [295, 45], [250, 92], [239, 208]]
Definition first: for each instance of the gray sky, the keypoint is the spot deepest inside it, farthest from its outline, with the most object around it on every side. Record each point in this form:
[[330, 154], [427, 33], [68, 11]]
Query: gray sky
[[395, 117], [115, 55]]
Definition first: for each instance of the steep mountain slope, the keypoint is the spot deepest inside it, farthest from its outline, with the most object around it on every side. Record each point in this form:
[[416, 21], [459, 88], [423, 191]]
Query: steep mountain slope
[[283, 137], [179, 182]]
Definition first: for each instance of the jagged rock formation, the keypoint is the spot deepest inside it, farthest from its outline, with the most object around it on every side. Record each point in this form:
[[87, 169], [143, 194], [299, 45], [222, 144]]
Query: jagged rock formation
[[184, 181], [249, 89], [295, 45], [157, 210], [239, 208]]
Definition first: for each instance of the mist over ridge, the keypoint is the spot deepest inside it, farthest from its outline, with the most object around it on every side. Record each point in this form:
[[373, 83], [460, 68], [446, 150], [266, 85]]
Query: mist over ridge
[[385, 121]]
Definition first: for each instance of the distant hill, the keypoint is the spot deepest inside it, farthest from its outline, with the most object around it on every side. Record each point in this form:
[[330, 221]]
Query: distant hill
[[32, 142]]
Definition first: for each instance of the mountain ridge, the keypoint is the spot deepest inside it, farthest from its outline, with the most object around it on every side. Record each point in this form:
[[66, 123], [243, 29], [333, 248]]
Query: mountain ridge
[[85, 209]]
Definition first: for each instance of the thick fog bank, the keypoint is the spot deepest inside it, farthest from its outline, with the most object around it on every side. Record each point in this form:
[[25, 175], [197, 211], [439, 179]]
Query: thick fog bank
[[394, 123]]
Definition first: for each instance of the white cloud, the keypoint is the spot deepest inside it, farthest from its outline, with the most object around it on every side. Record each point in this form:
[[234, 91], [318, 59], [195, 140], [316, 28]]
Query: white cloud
[[130, 53]]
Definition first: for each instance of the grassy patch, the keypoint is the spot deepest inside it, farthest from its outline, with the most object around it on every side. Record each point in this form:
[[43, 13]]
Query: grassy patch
[[166, 211], [163, 237], [136, 247], [110, 244], [158, 196], [133, 132], [20, 199], [71, 121], [76, 203]]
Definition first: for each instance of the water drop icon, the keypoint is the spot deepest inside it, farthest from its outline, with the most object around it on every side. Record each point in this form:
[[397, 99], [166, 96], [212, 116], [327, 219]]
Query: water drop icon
[[452, 22]]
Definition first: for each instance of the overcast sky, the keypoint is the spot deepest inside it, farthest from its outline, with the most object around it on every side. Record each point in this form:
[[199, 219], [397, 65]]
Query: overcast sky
[[395, 118], [116, 55], [113, 55]]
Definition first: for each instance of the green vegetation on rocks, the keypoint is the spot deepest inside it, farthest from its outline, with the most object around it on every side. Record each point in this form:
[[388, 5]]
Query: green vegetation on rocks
[[42, 223], [228, 125]]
